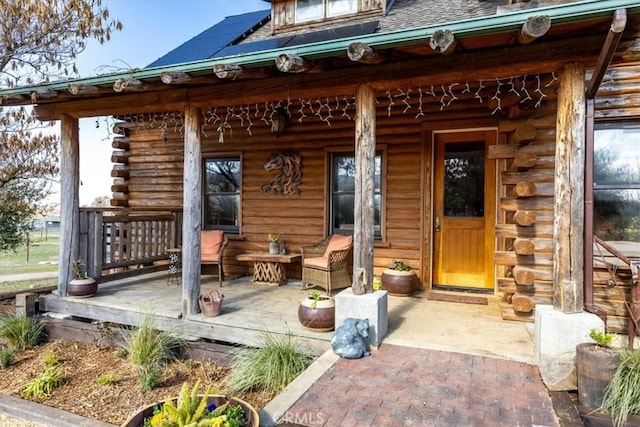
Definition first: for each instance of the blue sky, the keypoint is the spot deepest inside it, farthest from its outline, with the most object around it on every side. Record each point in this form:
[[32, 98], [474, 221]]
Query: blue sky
[[151, 29]]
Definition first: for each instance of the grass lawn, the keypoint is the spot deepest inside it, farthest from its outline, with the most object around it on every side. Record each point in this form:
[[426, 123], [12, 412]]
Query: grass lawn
[[40, 256], [26, 285]]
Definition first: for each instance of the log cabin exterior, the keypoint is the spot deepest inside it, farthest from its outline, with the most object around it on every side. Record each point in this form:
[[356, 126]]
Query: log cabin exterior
[[461, 136]]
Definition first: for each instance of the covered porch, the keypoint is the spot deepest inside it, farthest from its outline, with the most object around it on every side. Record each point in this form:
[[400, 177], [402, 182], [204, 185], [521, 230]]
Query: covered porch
[[250, 310]]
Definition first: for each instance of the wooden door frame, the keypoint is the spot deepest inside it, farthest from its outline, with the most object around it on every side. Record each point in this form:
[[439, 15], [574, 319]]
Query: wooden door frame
[[429, 130]]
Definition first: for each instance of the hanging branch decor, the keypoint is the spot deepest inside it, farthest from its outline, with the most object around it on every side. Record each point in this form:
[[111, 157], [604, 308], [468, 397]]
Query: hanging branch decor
[[289, 165]]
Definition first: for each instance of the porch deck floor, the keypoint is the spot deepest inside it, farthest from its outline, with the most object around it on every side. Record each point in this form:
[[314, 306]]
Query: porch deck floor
[[249, 310]]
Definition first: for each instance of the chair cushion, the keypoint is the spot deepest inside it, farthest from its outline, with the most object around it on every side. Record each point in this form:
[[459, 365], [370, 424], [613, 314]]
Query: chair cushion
[[211, 242], [317, 262], [337, 242]]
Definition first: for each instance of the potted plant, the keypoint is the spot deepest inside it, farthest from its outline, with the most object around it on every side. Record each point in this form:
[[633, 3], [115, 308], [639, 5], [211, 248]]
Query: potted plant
[[274, 248], [81, 286], [317, 312], [596, 362], [191, 408], [399, 279]]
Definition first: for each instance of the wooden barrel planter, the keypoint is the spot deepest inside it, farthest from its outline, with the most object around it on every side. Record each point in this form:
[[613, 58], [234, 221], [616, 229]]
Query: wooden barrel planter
[[250, 414], [595, 366], [398, 282], [82, 288], [318, 315]]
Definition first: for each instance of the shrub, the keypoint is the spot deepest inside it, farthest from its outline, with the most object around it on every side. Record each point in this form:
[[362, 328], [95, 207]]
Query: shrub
[[6, 357], [149, 377], [622, 395], [149, 349], [52, 359], [108, 379], [148, 346], [43, 383], [21, 332], [270, 367]]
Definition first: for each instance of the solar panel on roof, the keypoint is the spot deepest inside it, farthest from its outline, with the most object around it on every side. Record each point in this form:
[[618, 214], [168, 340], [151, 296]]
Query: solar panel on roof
[[334, 33], [299, 39], [206, 44], [217, 41]]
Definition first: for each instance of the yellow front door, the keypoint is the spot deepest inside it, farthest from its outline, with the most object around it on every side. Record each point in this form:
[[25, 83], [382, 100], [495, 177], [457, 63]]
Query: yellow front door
[[464, 210]]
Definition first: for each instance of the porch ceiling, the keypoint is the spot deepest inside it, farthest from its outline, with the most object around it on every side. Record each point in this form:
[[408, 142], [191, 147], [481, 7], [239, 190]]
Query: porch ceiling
[[487, 48]]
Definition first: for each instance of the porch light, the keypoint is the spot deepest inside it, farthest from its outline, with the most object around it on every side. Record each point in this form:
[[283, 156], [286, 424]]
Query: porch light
[[278, 121]]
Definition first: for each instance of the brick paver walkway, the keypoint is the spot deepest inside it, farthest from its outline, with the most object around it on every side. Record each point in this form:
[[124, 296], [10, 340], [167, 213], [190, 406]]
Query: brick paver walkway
[[402, 386]]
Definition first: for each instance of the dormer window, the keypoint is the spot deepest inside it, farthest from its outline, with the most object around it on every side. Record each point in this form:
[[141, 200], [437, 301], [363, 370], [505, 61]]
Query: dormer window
[[317, 10]]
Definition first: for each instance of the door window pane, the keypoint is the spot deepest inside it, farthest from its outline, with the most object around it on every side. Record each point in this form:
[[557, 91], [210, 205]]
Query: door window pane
[[222, 193], [464, 179]]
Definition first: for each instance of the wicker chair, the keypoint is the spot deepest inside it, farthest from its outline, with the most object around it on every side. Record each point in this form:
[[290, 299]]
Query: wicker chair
[[212, 244], [327, 264]]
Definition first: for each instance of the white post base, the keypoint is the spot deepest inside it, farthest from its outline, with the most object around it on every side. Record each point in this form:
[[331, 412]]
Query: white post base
[[371, 306], [557, 334]]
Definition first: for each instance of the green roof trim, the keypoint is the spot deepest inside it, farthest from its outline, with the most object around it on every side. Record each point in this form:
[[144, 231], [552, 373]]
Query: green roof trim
[[492, 24]]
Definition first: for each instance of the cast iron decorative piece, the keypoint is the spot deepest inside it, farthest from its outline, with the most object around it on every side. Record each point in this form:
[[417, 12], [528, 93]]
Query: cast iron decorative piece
[[286, 183]]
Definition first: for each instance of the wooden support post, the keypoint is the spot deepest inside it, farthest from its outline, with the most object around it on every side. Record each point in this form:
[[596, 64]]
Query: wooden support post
[[69, 200], [289, 63], [533, 28], [568, 223], [364, 190], [191, 223], [443, 41], [26, 305]]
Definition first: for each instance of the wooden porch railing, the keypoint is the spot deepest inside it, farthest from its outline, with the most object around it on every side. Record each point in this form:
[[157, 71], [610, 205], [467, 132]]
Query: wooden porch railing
[[116, 243]]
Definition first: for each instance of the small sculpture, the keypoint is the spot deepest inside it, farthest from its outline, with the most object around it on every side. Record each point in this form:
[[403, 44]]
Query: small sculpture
[[351, 339]]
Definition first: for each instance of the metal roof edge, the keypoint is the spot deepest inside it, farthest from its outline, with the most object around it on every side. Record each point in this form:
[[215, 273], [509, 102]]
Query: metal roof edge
[[491, 24]]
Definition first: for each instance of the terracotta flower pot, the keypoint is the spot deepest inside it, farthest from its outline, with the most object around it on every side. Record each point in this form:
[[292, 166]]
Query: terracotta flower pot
[[398, 283], [82, 288], [250, 414], [318, 317]]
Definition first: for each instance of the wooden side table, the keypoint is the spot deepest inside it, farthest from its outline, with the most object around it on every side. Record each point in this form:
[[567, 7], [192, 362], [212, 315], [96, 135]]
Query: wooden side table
[[268, 269], [175, 266]]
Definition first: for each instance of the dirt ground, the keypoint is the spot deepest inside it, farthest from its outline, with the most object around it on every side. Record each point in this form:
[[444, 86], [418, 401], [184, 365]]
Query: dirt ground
[[83, 364]]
